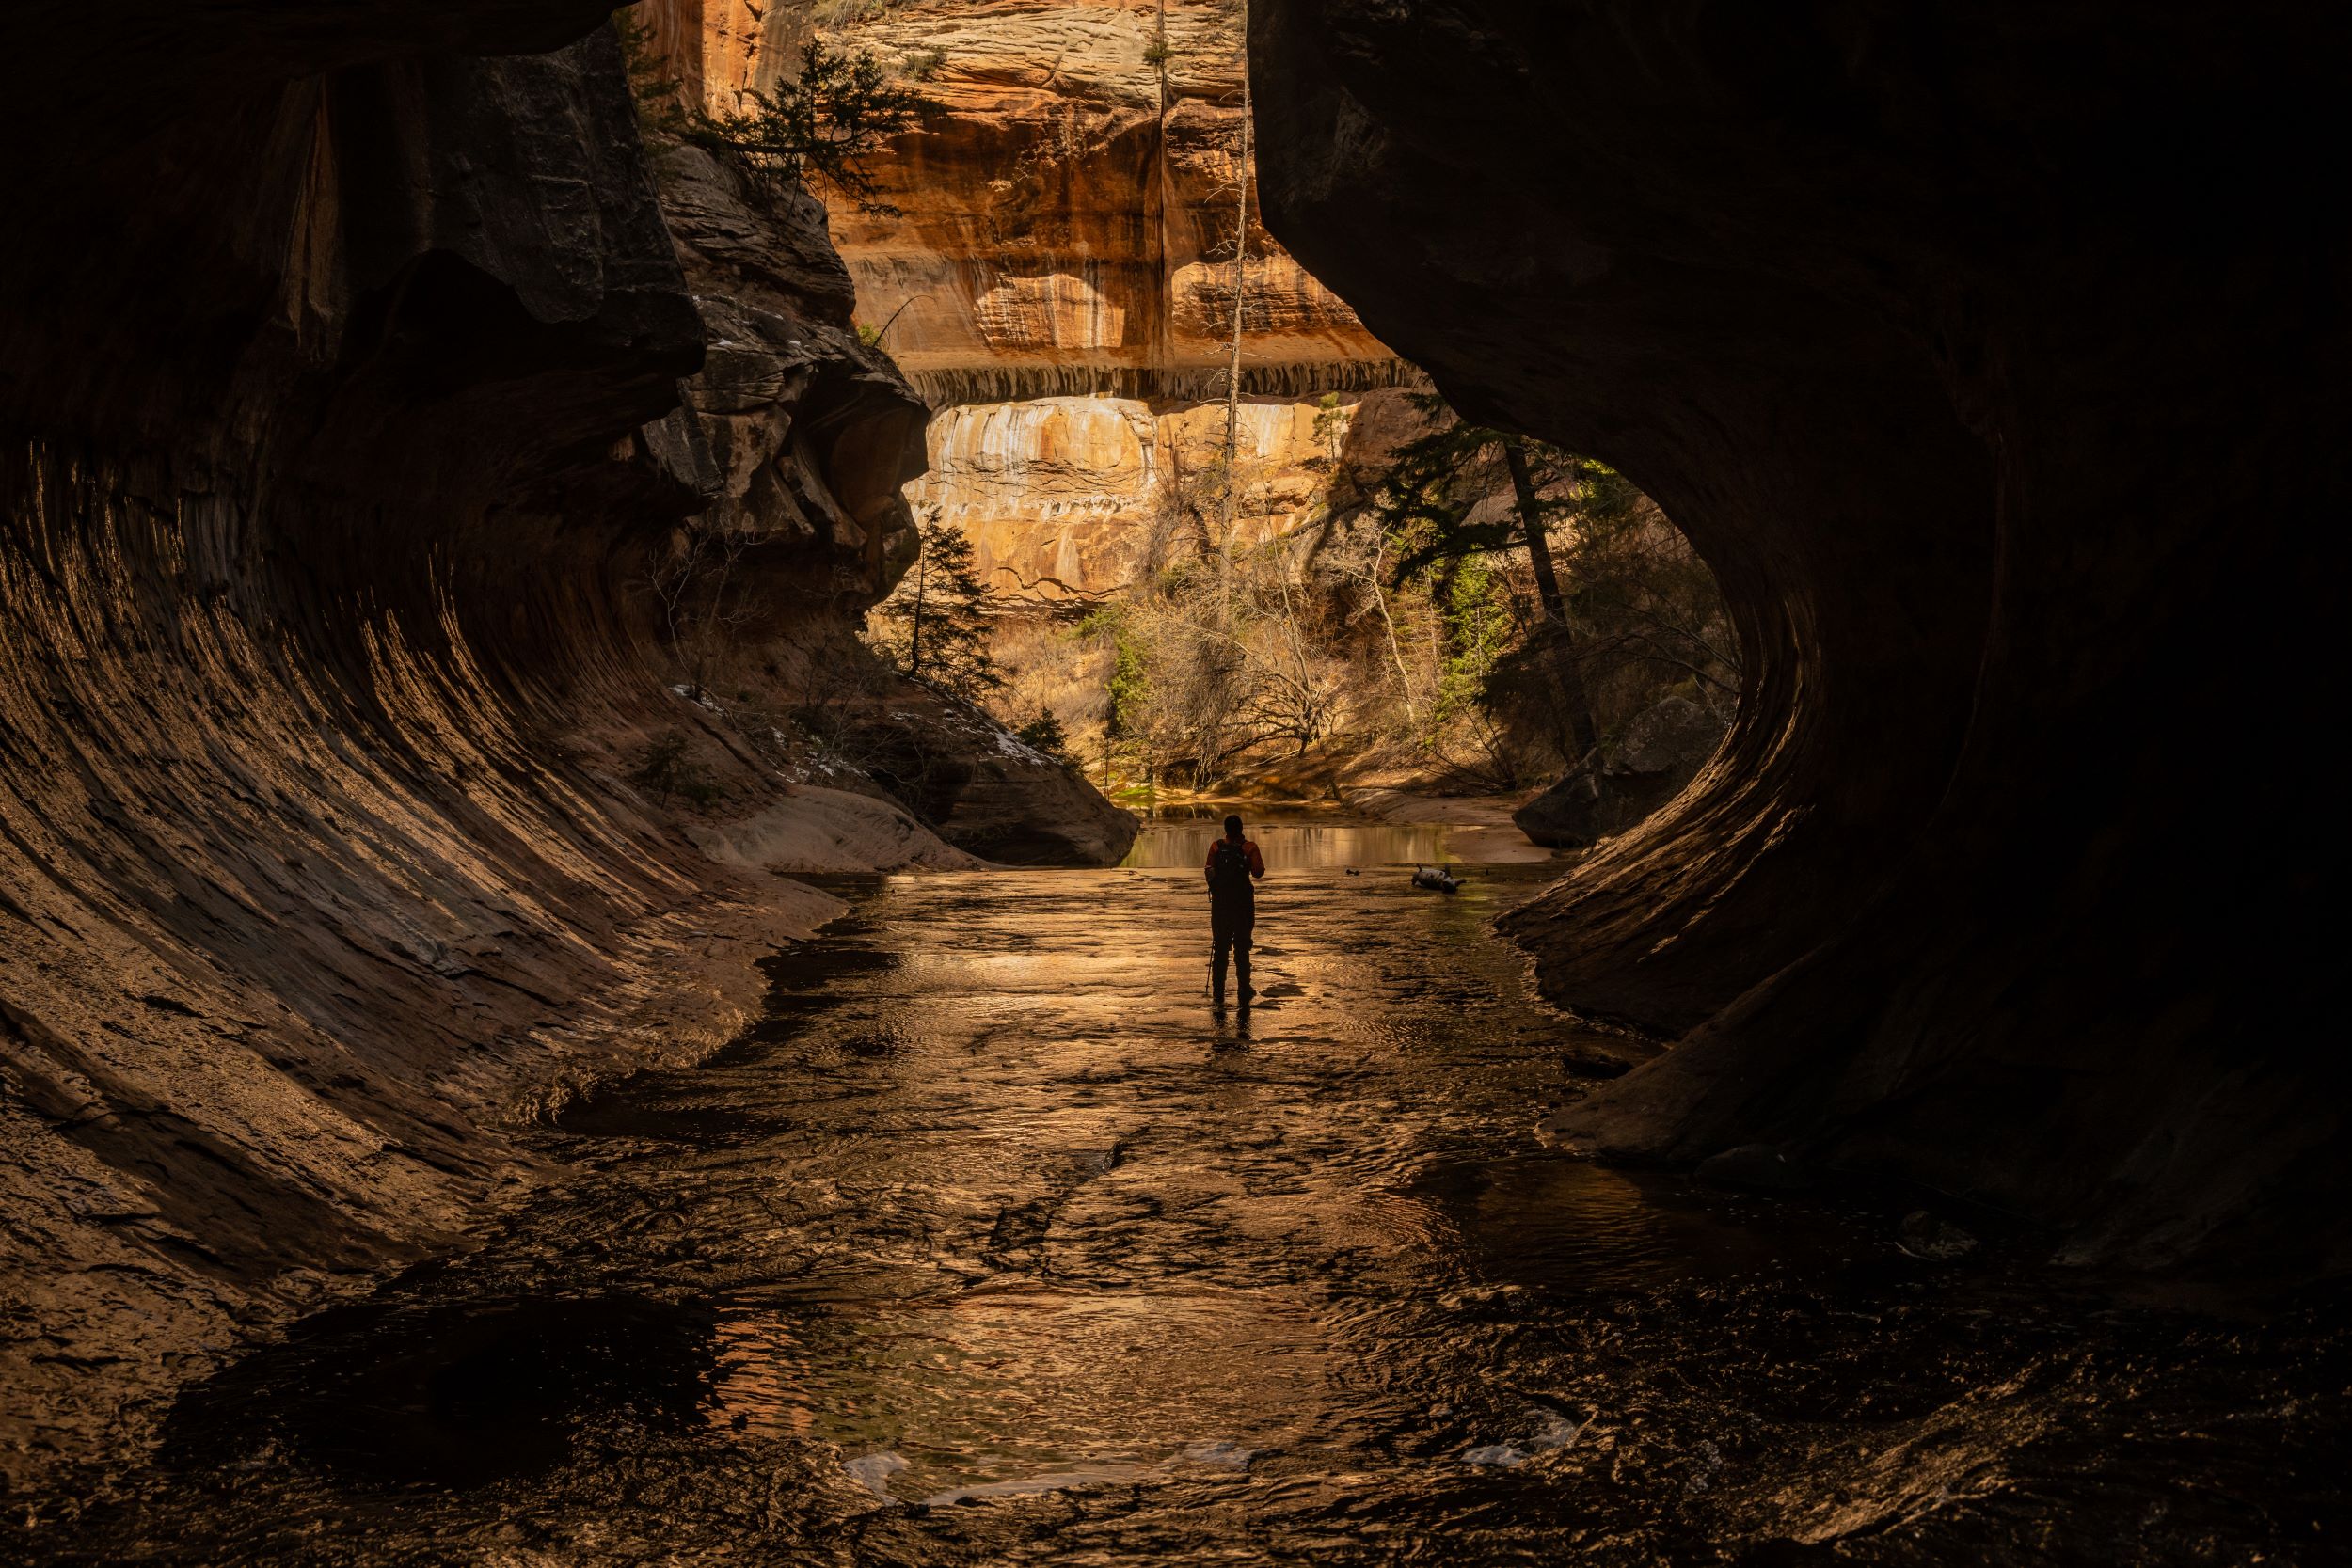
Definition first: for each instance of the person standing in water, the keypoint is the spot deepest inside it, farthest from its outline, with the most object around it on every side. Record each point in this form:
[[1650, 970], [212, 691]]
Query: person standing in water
[[1233, 865]]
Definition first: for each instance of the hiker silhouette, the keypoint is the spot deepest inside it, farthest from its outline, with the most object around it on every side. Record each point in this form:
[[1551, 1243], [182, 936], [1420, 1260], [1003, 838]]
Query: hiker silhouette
[[1233, 866]]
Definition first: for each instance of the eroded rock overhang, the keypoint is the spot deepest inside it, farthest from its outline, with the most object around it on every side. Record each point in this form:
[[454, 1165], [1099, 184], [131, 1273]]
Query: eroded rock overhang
[[340, 366], [1985, 359]]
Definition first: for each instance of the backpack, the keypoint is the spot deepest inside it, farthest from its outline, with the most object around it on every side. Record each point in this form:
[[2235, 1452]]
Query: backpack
[[1229, 868]]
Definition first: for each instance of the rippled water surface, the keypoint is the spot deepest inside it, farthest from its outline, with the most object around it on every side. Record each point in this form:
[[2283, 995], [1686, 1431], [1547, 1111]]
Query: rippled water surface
[[992, 1243], [1303, 842]]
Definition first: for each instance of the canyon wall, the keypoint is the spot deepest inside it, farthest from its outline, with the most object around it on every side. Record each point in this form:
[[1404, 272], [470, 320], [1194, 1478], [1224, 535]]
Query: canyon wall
[[341, 370], [803, 439], [2007, 468], [1075, 499], [719, 49], [1051, 259], [1064, 221]]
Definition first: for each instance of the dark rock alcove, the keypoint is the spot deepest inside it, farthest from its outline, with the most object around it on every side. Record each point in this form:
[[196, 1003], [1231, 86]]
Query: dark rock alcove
[[1992, 357]]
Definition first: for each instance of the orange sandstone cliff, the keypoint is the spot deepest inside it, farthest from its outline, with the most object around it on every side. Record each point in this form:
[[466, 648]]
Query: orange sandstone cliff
[[1051, 259]]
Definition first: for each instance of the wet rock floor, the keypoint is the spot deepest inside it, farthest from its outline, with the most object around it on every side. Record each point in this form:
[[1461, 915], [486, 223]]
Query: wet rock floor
[[992, 1243]]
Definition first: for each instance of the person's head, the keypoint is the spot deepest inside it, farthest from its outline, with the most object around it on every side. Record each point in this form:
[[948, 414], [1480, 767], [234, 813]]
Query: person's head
[[1232, 828]]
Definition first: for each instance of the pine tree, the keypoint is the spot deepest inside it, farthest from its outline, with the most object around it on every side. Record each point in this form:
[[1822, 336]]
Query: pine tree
[[1432, 486], [934, 626], [1045, 734], [839, 111]]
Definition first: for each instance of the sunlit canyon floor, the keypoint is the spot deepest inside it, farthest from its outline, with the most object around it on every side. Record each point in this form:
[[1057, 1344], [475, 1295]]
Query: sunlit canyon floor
[[994, 1244]]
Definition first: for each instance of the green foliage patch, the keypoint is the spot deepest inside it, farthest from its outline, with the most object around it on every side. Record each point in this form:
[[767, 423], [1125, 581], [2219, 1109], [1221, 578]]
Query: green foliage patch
[[934, 626], [663, 770]]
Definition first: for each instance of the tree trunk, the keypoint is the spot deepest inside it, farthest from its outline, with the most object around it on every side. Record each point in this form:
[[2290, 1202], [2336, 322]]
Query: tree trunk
[[914, 631], [1388, 622], [1241, 296], [1532, 525], [1583, 733]]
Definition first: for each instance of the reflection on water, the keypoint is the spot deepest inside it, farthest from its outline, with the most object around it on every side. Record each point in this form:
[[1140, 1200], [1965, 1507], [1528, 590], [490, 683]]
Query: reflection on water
[[990, 1243], [994, 1387], [1571, 1225], [1296, 844]]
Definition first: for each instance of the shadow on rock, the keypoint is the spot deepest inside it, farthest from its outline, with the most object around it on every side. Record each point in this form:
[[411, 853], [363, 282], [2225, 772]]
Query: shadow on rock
[[457, 1397]]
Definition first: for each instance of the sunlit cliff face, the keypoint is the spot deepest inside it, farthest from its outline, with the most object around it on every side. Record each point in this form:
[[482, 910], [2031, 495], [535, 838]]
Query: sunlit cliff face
[[1081, 497], [1057, 275], [1065, 220], [717, 48]]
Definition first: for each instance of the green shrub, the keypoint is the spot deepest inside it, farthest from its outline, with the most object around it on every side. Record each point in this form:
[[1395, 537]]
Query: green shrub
[[1044, 734], [662, 770]]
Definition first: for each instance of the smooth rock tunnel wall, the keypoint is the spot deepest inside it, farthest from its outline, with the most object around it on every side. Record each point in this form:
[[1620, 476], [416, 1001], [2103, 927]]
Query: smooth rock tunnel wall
[[1993, 357], [337, 380]]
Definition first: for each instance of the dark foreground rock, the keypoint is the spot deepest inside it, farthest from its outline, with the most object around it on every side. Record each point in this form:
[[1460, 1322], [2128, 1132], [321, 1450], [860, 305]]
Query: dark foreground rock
[[2008, 470], [340, 357], [1925, 1236], [325, 351], [1755, 1168], [1661, 751]]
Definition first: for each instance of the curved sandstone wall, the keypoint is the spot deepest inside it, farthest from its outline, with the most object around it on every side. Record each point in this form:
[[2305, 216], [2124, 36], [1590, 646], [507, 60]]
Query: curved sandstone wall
[[2004, 464], [341, 383]]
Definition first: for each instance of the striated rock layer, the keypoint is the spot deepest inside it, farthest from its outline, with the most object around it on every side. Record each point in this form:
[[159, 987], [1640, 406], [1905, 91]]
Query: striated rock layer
[[1065, 221], [1077, 499], [340, 374], [719, 49], [289, 888], [1058, 273], [1051, 258], [2004, 463]]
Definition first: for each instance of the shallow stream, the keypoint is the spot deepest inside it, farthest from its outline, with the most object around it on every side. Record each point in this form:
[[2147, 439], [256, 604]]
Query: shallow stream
[[1306, 842], [993, 1243]]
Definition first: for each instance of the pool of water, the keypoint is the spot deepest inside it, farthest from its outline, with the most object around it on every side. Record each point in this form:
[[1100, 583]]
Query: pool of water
[[993, 1243], [1296, 843]]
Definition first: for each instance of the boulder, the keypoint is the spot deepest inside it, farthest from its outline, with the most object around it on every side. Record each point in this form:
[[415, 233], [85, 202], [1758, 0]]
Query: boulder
[[1923, 1235], [810, 434], [983, 789], [1662, 750], [1583, 1061]]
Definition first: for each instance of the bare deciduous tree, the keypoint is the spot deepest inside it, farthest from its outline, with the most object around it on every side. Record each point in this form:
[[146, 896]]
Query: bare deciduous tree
[[696, 581]]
